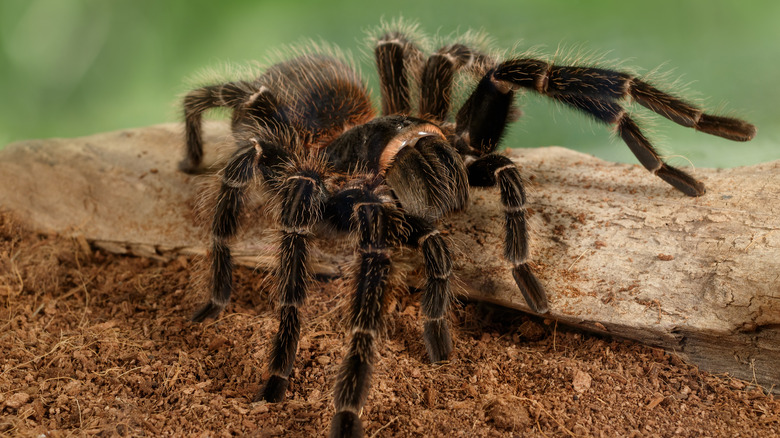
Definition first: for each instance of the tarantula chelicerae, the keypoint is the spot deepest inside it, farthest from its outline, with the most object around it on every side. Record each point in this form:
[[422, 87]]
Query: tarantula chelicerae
[[306, 127]]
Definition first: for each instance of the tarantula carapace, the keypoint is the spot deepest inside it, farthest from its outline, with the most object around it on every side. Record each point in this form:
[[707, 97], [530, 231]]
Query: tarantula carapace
[[307, 128]]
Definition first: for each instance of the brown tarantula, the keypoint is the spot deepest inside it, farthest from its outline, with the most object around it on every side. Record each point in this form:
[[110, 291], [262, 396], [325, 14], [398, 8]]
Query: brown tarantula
[[307, 128]]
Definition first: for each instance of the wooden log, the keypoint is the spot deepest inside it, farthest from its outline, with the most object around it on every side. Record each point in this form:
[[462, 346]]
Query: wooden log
[[619, 251]]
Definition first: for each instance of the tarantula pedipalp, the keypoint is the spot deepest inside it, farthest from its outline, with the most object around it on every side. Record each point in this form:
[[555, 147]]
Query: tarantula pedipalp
[[306, 127]]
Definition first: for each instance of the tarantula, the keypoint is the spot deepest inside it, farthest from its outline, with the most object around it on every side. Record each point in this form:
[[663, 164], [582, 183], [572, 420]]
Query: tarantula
[[306, 127]]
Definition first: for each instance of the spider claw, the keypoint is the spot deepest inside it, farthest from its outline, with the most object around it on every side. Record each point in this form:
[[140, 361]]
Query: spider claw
[[681, 180], [346, 424], [726, 127], [532, 289], [438, 340], [273, 391], [188, 166], [209, 310]]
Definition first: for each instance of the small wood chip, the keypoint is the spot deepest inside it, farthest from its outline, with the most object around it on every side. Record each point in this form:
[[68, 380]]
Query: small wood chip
[[17, 400], [655, 402]]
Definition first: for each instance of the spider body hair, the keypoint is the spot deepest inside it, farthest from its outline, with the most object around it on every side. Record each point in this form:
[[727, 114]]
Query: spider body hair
[[306, 129]]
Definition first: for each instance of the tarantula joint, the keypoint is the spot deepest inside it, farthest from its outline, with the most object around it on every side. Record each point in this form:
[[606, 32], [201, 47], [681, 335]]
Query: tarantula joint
[[306, 128]]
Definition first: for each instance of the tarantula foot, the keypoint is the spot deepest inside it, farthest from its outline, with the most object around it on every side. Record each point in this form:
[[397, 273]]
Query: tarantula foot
[[681, 181], [273, 390], [438, 341], [346, 424], [532, 289], [189, 166], [210, 310]]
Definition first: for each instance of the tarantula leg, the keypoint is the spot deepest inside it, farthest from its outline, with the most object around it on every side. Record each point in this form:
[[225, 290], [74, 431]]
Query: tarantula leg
[[236, 176], [436, 80], [260, 110], [448, 165], [302, 197], [437, 295], [614, 114], [196, 102], [373, 222], [482, 119], [493, 169], [686, 114], [603, 84], [428, 178], [393, 53]]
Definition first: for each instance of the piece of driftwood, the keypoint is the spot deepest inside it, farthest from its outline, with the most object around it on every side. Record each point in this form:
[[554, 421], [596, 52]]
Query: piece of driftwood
[[619, 251]]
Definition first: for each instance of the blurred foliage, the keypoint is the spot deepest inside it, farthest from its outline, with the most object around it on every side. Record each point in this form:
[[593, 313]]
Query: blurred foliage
[[76, 67]]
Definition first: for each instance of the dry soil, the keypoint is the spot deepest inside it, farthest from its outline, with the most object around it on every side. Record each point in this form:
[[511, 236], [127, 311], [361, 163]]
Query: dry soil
[[100, 344]]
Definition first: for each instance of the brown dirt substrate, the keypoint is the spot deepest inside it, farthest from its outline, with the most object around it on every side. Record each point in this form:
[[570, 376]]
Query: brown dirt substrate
[[100, 344]]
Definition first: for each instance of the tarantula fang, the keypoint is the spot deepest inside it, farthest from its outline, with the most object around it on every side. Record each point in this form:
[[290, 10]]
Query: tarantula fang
[[306, 127]]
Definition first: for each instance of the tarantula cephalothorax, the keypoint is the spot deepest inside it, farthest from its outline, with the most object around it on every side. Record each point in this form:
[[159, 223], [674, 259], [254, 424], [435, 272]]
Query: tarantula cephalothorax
[[306, 128]]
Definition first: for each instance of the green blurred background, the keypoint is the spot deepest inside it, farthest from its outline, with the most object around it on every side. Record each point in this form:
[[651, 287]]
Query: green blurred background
[[77, 67]]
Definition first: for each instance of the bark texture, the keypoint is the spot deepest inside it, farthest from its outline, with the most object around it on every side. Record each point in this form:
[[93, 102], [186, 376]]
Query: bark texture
[[619, 251]]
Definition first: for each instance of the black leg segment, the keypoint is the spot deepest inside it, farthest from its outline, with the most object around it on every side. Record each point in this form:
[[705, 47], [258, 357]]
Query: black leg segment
[[491, 170], [235, 178], [603, 84], [483, 118], [373, 221], [594, 91], [196, 102], [613, 114], [437, 296], [436, 82], [392, 53], [302, 197]]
